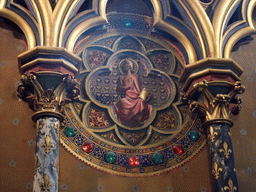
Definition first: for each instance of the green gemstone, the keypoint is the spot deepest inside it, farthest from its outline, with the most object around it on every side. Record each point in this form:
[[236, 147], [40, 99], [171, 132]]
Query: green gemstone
[[128, 23], [193, 135], [70, 131], [158, 158], [110, 157]]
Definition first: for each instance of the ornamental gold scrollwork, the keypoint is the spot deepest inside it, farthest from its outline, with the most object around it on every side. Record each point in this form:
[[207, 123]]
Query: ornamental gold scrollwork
[[45, 187], [212, 134], [230, 187], [216, 170], [226, 150], [47, 145]]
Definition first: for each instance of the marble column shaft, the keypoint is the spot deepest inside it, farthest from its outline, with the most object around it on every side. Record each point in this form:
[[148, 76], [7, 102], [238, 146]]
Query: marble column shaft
[[222, 158], [46, 155]]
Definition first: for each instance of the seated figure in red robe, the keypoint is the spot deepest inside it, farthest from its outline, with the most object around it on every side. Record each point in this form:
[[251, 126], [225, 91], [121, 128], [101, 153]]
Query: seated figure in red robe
[[132, 110]]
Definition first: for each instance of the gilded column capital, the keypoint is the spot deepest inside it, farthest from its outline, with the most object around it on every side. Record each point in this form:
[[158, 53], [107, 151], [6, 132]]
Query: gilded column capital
[[48, 79], [211, 86], [216, 107], [47, 100]]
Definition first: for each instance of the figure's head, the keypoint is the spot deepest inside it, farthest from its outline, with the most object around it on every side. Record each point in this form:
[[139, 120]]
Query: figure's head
[[126, 65]]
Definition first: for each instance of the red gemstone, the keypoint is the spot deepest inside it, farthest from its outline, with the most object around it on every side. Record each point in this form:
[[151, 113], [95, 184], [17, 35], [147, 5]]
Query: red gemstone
[[134, 161], [178, 149], [88, 147]]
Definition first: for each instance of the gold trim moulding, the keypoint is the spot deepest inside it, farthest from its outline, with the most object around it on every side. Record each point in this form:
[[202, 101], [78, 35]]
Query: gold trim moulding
[[217, 121], [187, 84], [63, 63], [194, 70], [51, 55], [47, 113]]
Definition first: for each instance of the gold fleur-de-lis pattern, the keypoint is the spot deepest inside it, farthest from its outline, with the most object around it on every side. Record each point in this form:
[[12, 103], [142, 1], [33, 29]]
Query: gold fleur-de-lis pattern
[[230, 187], [216, 170], [225, 150], [45, 186], [212, 134], [47, 145]]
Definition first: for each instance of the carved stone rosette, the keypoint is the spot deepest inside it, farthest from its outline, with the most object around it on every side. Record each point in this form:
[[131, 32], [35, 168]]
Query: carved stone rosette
[[47, 91], [213, 93]]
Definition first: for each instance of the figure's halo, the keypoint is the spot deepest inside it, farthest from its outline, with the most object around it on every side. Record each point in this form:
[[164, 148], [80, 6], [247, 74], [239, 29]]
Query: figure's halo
[[134, 63]]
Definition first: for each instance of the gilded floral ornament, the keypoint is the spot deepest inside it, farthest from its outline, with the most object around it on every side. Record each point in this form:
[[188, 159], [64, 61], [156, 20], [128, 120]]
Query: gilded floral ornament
[[212, 134], [184, 97], [230, 186], [45, 187], [47, 145], [226, 150], [220, 107], [216, 170]]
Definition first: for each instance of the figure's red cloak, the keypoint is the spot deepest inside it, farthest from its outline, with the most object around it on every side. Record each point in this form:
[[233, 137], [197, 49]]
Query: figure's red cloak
[[131, 109]]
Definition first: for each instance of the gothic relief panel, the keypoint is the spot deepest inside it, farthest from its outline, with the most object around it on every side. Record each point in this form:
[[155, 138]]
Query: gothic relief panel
[[129, 118]]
